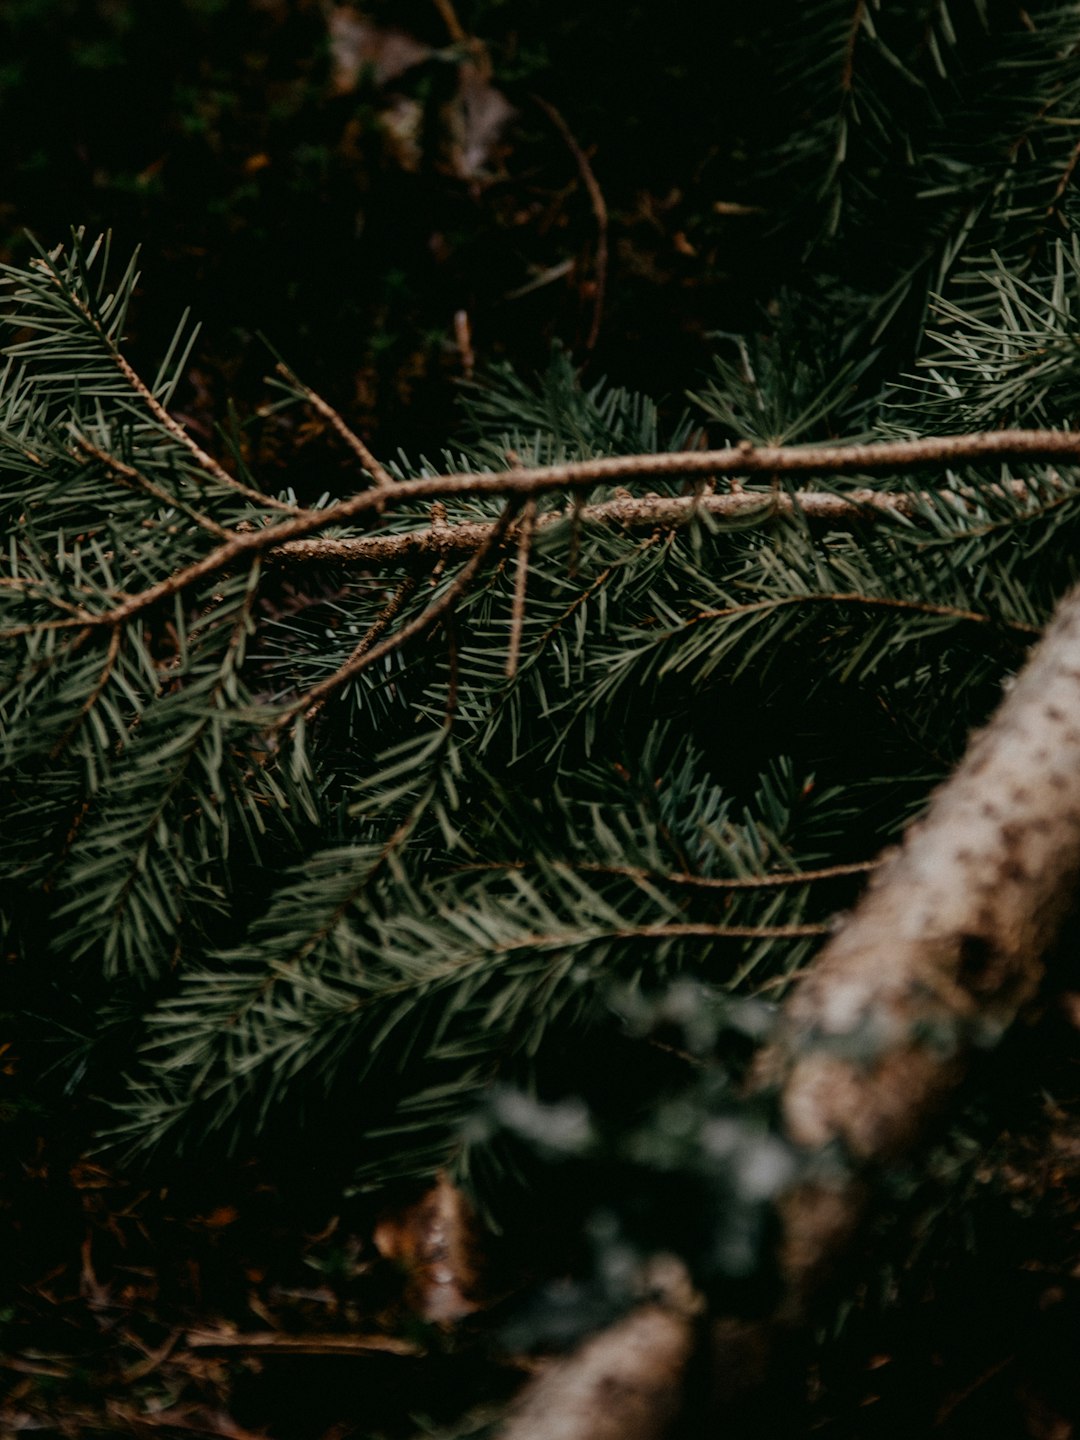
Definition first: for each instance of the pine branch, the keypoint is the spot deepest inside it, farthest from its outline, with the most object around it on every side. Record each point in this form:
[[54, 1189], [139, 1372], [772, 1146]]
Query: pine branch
[[374, 467], [46, 265], [888, 457]]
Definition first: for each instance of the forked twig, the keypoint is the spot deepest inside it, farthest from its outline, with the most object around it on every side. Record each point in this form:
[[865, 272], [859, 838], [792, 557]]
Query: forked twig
[[875, 458]]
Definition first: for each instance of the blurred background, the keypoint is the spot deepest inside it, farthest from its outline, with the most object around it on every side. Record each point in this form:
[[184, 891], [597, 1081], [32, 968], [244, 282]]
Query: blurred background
[[397, 195]]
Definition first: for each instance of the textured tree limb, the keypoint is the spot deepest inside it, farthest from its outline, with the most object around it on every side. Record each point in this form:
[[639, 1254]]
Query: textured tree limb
[[624, 1383], [939, 958], [645, 512], [941, 954]]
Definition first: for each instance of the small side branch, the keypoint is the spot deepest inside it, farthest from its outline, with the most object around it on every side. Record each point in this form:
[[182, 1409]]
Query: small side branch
[[371, 464], [359, 662], [205, 462], [128, 476], [375, 631]]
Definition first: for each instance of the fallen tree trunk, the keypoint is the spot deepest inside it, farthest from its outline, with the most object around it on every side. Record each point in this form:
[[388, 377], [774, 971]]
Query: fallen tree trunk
[[938, 959]]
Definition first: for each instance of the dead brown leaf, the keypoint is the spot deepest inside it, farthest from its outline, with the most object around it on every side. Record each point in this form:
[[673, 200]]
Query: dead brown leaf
[[434, 1241], [358, 44]]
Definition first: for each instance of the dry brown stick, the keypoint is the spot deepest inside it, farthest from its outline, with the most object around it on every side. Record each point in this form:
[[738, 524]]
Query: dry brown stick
[[268, 1342], [877, 458], [521, 580], [454, 27], [599, 209], [637, 513], [371, 464]]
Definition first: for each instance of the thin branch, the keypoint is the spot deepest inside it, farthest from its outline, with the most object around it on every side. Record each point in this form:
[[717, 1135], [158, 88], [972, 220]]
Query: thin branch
[[134, 479], [637, 513], [274, 1342], [454, 27], [424, 621], [377, 628], [41, 588], [373, 466], [698, 882], [95, 694], [521, 578], [599, 209], [847, 75], [876, 458], [688, 930], [205, 462]]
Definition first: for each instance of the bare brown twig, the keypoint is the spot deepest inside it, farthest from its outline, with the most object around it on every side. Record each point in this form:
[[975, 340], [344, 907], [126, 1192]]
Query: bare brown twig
[[599, 209], [371, 464], [454, 27]]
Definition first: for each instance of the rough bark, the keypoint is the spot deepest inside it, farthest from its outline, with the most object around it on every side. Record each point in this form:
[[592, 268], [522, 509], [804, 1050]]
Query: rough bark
[[623, 1384], [938, 958], [642, 512]]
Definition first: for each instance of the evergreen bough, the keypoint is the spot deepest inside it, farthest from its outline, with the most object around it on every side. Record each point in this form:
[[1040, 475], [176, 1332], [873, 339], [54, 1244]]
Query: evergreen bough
[[411, 837]]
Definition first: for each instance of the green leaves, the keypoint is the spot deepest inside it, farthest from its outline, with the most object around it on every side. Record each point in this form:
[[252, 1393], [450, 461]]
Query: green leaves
[[292, 829]]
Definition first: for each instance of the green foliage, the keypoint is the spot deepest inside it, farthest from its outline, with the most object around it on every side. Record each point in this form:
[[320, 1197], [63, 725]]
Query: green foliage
[[299, 851]]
